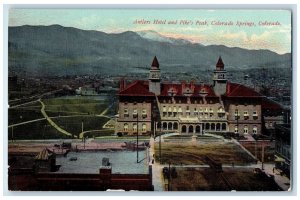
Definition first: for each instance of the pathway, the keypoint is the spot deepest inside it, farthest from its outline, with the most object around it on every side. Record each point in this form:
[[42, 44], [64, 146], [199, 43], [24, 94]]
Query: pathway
[[52, 122]]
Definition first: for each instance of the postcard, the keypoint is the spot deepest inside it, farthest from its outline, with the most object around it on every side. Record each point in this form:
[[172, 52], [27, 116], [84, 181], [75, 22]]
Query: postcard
[[157, 100]]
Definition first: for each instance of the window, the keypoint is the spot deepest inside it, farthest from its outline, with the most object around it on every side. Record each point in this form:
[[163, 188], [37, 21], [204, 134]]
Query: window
[[246, 115], [144, 127], [187, 109], [144, 113], [236, 129], [254, 130], [245, 129], [126, 127], [255, 113], [174, 109], [126, 113], [221, 110], [236, 113], [134, 127], [164, 109], [271, 124], [135, 113]]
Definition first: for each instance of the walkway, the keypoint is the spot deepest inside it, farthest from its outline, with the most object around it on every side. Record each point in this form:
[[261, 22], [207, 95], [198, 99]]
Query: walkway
[[157, 179], [52, 122]]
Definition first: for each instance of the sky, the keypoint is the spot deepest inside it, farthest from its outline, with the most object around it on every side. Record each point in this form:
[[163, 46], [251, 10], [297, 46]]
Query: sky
[[253, 34]]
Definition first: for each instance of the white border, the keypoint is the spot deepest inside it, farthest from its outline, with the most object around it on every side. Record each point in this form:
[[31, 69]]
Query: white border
[[62, 3]]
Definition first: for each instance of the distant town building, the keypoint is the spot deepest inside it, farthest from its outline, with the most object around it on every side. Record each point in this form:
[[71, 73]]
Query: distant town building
[[86, 91], [189, 108]]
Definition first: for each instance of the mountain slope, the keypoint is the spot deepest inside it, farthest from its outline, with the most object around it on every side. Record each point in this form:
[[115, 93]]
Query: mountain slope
[[57, 50]]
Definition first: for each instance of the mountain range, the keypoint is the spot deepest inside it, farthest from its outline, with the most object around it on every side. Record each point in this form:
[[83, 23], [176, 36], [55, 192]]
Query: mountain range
[[58, 50]]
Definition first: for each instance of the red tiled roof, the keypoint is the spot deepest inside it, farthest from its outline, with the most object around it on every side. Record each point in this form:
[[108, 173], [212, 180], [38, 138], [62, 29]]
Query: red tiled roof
[[268, 104], [238, 90], [141, 88], [137, 88]]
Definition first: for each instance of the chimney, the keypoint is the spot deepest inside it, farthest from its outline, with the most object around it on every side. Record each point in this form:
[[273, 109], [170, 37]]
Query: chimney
[[183, 86], [192, 85], [122, 84]]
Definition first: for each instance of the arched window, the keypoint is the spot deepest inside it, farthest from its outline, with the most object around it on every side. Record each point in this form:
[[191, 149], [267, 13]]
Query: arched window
[[245, 129], [254, 130], [125, 127], [175, 126], [191, 129], [197, 129], [212, 126], [207, 126], [218, 126], [236, 129], [165, 126], [223, 127], [134, 126], [183, 129], [170, 126]]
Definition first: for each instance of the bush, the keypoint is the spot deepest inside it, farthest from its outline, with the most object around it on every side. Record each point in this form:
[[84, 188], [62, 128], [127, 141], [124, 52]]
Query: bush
[[119, 134]]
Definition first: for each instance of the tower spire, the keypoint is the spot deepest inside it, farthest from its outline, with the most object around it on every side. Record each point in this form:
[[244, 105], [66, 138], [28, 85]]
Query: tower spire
[[154, 77], [155, 63], [220, 64]]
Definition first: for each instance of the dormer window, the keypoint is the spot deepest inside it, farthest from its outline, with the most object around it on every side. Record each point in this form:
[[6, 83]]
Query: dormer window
[[187, 92], [172, 91], [203, 92]]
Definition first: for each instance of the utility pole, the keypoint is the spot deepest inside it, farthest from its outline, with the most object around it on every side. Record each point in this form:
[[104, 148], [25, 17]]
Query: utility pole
[[82, 134], [169, 178], [12, 133], [160, 159], [237, 120], [262, 155], [137, 137]]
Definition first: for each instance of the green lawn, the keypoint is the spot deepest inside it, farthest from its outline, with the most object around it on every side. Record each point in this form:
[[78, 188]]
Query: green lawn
[[56, 107], [74, 124]]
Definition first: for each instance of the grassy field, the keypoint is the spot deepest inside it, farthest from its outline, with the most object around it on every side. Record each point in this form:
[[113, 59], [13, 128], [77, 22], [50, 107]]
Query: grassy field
[[269, 150], [186, 153], [36, 130], [24, 113], [56, 106], [239, 179], [74, 124], [42, 129]]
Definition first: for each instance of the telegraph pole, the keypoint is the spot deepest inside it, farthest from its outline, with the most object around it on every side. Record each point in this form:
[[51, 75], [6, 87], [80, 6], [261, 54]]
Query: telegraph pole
[[137, 138], [237, 120], [82, 134], [160, 160], [262, 155], [12, 133]]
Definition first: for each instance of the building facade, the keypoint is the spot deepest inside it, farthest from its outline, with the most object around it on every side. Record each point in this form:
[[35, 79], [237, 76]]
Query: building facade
[[153, 106]]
